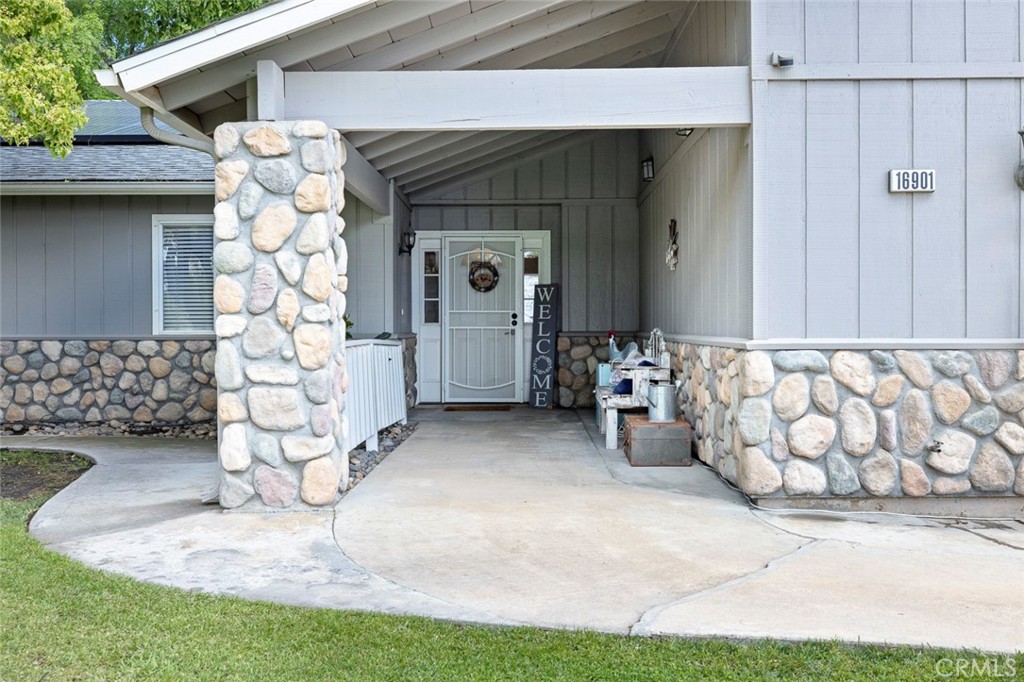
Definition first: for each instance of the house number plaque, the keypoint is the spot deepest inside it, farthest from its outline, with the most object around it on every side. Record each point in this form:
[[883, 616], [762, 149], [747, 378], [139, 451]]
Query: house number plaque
[[543, 345], [912, 180]]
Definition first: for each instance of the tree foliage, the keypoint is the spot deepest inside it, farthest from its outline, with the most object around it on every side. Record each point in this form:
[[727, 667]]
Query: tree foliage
[[50, 47], [45, 51], [130, 26]]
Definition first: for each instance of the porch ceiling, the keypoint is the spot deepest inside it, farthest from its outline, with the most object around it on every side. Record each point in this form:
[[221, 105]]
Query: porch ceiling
[[202, 88]]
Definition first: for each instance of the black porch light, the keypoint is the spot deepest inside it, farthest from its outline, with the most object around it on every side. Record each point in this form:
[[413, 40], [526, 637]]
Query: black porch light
[[408, 241], [647, 169]]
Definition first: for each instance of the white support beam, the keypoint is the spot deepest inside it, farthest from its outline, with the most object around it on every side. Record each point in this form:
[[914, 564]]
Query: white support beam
[[305, 46], [364, 182], [269, 91], [554, 99]]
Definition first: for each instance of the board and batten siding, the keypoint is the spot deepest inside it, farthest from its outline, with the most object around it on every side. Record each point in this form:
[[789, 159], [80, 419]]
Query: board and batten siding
[[402, 276], [585, 195], [367, 239], [844, 258], [705, 188], [81, 266], [702, 182]]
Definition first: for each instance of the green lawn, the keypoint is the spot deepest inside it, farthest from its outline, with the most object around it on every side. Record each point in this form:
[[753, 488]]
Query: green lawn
[[63, 621]]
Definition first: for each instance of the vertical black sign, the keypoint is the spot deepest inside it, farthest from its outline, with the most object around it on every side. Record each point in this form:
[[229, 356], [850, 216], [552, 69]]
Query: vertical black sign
[[543, 347]]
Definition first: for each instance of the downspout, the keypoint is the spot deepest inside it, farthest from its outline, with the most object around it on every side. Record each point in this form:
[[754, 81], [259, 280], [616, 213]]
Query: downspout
[[146, 114]]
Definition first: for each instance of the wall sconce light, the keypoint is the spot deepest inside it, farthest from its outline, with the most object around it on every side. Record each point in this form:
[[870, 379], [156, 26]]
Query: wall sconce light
[[1020, 169], [408, 241], [684, 132], [647, 169]]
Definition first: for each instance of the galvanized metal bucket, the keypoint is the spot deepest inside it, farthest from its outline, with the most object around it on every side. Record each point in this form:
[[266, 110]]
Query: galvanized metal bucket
[[661, 403]]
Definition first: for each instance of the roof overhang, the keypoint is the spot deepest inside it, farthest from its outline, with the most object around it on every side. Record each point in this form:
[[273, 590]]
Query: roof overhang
[[493, 81]]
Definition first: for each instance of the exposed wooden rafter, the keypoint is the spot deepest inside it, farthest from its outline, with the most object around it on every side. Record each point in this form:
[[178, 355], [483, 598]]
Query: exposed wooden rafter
[[300, 48]]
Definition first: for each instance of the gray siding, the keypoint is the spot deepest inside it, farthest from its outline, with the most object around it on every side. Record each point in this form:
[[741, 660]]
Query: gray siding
[[368, 267], [402, 270], [81, 266], [706, 189], [843, 257], [703, 182], [586, 197]]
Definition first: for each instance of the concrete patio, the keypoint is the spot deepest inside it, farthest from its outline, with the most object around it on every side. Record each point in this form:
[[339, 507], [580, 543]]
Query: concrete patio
[[520, 518]]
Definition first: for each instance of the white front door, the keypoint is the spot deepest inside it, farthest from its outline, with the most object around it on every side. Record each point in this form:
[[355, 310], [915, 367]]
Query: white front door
[[482, 321]]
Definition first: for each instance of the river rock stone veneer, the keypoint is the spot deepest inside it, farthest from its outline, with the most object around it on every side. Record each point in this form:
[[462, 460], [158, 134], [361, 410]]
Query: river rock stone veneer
[[578, 358], [279, 297], [107, 382], [881, 423]]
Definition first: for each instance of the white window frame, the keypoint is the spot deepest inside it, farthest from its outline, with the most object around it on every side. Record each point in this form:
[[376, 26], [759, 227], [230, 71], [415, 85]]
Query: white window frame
[[160, 220]]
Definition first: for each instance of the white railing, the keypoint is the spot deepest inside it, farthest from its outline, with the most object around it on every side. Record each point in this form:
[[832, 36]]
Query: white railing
[[376, 390]]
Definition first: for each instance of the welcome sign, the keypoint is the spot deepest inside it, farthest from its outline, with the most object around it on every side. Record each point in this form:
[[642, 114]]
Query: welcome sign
[[542, 363]]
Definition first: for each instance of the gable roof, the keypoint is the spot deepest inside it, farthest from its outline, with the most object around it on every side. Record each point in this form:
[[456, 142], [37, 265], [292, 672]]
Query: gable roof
[[200, 80]]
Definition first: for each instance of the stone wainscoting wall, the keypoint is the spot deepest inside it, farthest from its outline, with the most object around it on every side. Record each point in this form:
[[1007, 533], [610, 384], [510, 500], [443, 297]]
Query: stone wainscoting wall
[[116, 381], [578, 357], [910, 423], [157, 382]]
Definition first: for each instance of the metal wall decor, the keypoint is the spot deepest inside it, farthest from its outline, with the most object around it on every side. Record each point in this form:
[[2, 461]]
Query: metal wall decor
[[672, 253], [483, 276]]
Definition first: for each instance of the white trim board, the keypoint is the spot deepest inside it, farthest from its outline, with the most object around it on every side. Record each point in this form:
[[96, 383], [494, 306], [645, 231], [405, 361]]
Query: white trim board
[[881, 71], [627, 202], [107, 188], [159, 221], [848, 344], [544, 99]]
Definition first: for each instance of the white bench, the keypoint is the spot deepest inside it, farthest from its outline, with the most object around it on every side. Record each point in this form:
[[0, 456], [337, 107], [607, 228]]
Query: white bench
[[610, 403]]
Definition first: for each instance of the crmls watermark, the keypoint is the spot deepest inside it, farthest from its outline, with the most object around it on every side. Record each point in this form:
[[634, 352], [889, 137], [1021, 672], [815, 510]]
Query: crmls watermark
[[980, 667]]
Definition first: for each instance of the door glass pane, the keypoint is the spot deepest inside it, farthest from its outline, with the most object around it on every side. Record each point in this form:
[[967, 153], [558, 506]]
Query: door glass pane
[[531, 278]]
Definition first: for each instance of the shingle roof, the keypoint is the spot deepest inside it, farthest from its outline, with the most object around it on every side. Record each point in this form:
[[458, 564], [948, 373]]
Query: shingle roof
[[106, 163], [105, 157]]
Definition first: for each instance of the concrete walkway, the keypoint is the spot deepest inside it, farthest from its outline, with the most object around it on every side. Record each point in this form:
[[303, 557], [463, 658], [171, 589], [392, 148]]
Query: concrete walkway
[[518, 518]]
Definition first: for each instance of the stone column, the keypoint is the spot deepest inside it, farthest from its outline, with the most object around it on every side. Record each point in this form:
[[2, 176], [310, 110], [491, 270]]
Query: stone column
[[279, 299]]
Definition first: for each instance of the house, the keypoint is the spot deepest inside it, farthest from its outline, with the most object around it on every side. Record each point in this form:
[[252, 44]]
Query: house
[[847, 309], [79, 237]]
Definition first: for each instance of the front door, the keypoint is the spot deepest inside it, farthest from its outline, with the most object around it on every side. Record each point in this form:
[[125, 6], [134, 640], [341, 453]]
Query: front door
[[482, 322]]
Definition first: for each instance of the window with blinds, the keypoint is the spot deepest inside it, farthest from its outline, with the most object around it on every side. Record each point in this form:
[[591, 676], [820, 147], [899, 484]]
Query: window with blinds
[[183, 274]]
